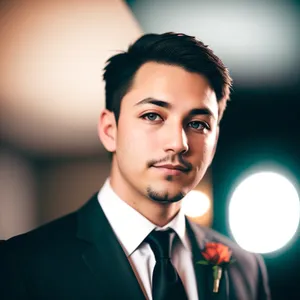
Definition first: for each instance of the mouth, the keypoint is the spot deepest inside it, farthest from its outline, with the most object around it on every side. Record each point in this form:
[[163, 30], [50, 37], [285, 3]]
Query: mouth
[[172, 169]]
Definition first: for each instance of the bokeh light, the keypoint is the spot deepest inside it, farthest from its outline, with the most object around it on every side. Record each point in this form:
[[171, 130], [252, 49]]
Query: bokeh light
[[195, 204], [264, 212]]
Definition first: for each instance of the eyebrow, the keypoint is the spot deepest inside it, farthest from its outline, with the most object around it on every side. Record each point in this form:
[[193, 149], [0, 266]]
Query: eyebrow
[[164, 104], [153, 101], [202, 111]]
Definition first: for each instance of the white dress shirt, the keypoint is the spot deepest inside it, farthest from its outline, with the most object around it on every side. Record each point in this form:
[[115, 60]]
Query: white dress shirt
[[131, 228]]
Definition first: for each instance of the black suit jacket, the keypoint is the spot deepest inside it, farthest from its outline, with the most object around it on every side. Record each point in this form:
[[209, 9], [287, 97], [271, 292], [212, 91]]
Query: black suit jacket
[[79, 257]]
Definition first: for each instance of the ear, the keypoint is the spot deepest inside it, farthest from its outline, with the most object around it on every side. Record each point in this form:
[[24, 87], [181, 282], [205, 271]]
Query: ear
[[107, 130]]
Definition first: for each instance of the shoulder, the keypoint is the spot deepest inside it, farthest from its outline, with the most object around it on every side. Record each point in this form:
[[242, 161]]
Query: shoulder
[[30, 260], [248, 271], [217, 237], [208, 234], [58, 236], [246, 260], [47, 236]]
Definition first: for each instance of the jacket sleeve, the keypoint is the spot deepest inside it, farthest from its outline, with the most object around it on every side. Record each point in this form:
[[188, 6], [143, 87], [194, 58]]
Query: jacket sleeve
[[11, 283], [263, 288]]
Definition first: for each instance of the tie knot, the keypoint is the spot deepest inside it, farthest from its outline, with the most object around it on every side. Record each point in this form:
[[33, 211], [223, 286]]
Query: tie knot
[[159, 242]]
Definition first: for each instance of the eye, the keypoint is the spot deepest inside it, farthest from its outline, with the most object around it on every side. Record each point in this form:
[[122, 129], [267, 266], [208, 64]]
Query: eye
[[152, 117], [198, 125]]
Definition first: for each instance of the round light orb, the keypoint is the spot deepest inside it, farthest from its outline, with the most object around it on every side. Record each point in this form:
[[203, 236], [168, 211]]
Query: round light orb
[[195, 204], [264, 212]]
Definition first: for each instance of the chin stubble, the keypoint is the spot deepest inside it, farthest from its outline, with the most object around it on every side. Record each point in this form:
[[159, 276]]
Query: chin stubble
[[163, 198]]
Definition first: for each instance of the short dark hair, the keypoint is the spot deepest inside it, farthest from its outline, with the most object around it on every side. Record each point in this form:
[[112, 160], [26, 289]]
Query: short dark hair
[[168, 48]]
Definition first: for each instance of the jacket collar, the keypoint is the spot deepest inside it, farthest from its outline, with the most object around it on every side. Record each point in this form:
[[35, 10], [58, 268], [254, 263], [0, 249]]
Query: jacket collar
[[104, 255]]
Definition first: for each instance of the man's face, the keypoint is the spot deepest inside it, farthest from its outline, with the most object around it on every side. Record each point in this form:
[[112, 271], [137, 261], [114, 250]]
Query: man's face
[[166, 133]]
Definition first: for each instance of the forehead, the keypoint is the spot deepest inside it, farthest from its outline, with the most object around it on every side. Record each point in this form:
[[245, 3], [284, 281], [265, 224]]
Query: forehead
[[172, 84]]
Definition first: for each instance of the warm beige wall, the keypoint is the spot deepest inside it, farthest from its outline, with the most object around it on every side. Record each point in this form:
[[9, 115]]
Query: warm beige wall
[[17, 195], [32, 195], [66, 185]]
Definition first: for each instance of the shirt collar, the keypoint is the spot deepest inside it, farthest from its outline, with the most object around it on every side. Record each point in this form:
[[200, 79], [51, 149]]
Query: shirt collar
[[124, 219]]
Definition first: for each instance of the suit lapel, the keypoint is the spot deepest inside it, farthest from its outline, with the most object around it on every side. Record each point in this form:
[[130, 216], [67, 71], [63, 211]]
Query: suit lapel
[[204, 275], [196, 238], [104, 256]]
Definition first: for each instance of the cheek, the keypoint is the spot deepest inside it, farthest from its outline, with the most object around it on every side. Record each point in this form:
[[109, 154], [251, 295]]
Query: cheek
[[133, 141], [210, 142], [204, 150]]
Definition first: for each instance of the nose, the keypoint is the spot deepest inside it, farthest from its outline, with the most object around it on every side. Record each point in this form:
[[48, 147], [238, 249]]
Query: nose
[[176, 140]]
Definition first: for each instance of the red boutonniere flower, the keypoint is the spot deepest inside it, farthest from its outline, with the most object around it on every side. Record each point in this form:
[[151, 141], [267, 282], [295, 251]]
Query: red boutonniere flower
[[217, 255]]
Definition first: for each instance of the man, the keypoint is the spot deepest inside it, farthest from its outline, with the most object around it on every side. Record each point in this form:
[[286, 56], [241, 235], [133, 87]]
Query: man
[[165, 98]]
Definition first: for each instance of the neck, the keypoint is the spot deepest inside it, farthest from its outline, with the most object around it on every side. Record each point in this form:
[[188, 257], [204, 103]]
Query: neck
[[159, 214]]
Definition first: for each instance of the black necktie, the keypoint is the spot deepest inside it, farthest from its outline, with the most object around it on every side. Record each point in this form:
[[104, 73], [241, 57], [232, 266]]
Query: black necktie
[[166, 283]]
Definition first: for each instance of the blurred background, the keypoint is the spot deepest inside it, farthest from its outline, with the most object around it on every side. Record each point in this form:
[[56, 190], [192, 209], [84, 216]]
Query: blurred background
[[52, 55]]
